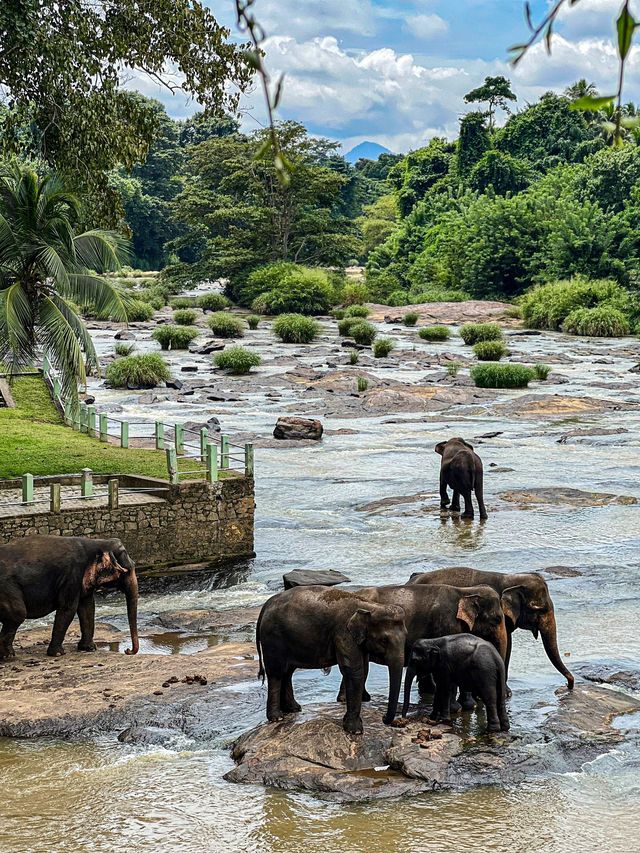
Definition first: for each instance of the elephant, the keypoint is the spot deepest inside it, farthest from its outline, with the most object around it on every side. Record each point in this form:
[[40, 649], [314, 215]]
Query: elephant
[[460, 470], [463, 661], [40, 574], [525, 600], [313, 627], [444, 610]]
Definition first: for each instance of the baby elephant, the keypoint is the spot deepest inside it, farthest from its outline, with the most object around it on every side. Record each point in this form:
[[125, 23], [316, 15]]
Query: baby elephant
[[460, 470], [464, 661]]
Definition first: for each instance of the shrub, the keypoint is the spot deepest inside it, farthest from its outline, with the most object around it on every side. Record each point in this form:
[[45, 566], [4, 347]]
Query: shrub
[[154, 296], [434, 333], [339, 313], [549, 305], [382, 347], [514, 312], [123, 348], [410, 318], [296, 329], [363, 333], [174, 337], [354, 293], [453, 367], [225, 325], [398, 297], [237, 360], [263, 280], [289, 288], [357, 311], [213, 302], [180, 302], [600, 322], [184, 317], [260, 304], [502, 375], [362, 384], [354, 356], [541, 371], [471, 333], [345, 326], [252, 321], [156, 302], [490, 350], [137, 371], [438, 295], [138, 312]]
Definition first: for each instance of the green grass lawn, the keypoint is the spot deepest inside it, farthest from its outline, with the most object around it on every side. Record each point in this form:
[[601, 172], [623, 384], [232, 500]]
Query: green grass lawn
[[35, 440]]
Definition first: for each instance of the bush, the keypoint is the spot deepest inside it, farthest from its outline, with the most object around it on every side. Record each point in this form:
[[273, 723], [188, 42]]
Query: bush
[[471, 333], [357, 311], [382, 347], [154, 296], [354, 356], [397, 297], [453, 367], [174, 337], [541, 371], [410, 318], [490, 350], [237, 360], [182, 302], [362, 384], [137, 371], [514, 312], [184, 317], [123, 348], [549, 305], [263, 280], [213, 302], [434, 333], [296, 329], [601, 322], [226, 325], [363, 333], [289, 288], [354, 293], [345, 326], [339, 313], [252, 321], [502, 375], [138, 312], [438, 295]]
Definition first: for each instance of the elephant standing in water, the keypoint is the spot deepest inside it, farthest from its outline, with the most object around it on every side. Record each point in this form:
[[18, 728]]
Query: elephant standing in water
[[40, 574], [312, 627], [460, 470], [525, 600]]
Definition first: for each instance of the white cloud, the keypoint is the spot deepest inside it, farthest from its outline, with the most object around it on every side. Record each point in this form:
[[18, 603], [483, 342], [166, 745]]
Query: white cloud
[[426, 26], [316, 17], [592, 18]]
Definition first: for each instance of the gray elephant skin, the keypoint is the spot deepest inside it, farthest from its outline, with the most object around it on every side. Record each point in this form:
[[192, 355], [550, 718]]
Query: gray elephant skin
[[461, 471]]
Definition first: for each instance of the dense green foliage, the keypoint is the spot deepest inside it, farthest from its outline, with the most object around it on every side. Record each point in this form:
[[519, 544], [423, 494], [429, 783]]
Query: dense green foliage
[[184, 317], [502, 375], [123, 348], [174, 337], [137, 311], [410, 318], [548, 306], [137, 371], [296, 329], [237, 360], [601, 322], [490, 350], [382, 347], [226, 325], [213, 302], [356, 311], [253, 321], [286, 288], [471, 333], [363, 332], [346, 324], [434, 333]]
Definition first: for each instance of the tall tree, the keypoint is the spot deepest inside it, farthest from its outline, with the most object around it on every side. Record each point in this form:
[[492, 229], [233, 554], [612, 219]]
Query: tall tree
[[495, 91]]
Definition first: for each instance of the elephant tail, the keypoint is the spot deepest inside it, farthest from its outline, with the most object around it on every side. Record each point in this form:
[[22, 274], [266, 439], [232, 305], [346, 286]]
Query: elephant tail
[[261, 671]]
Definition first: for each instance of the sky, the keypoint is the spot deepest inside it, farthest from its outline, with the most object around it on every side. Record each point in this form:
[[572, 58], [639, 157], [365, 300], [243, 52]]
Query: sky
[[395, 71]]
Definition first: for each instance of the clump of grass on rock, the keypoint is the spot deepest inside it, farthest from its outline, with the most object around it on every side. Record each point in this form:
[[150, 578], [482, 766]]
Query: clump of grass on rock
[[180, 302], [213, 302], [174, 337], [122, 348], [357, 311], [138, 312], [137, 371], [363, 333], [502, 375], [253, 321], [434, 333], [184, 317], [237, 360], [382, 347], [549, 306], [600, 322], [296, 329], [490, 350], [471, 333], [410, 318], [541, 371], [345, 325], [226, 325]]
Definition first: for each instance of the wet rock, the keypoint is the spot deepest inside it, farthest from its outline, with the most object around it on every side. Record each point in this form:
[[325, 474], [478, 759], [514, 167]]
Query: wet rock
[[147, 736], [618, 673], [124, 335], [207, 348], [576, 436], [563, 571], [635, 369], [235, 620], [213, 424], [89, 400], [310, 577], [189, 368], [176, 384], [560, 496], [521, 333], [293, 428], [558, 405], [383, 504]]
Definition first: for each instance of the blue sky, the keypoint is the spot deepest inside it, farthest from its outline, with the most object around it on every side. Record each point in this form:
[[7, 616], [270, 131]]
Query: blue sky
[[395, 71]]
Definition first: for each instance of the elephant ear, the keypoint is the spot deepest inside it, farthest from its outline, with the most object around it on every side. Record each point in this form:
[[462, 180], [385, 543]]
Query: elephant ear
[[468, 610], [439, 448], [103, 569], [466, 443], [511, 602], [358, 625]]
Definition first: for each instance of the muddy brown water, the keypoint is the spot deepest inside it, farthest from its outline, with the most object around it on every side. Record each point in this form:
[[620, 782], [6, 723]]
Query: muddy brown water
[[96, 794]]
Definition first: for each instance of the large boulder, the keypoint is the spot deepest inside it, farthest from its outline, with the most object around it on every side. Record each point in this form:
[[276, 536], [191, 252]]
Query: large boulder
[[298, 429], [313, 577]]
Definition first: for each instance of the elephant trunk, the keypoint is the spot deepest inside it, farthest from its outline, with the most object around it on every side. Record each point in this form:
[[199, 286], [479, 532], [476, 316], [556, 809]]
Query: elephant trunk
[[130, 587], [408, 683], [549, 636], [395, 682], [501, 640]]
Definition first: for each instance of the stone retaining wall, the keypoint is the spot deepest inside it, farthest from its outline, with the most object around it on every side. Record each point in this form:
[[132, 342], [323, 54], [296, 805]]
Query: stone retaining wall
[[194, 522]]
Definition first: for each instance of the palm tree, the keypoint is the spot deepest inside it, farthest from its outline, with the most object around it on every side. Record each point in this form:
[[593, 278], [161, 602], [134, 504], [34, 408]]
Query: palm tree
[[46, 270], [581, 89]]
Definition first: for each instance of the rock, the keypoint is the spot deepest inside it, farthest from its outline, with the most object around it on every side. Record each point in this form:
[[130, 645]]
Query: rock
[[619, 673], [89, 400], [589, 431], [559, 496], [189, 368], [488, 435], [635, 369], [124, 335], [298, 429], [207, 348], [521, 333], [563, 571], [213, 424], [176, 384], [146, 736], [309, 577]]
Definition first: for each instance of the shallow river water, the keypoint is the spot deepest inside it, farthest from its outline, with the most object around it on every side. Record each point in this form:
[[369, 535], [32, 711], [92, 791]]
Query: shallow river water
[[100, 795]]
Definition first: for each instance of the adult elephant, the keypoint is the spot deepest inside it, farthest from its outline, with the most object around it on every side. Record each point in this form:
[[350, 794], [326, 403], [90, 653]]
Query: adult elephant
[[40, 574], [525, 600], [440, 610], [461, 471], [313, 627]]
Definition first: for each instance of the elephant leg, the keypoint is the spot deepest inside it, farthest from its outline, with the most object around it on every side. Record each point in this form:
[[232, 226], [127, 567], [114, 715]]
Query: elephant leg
[[9, 627], [503, 716], [354, 683], [455, 503], [444, 495], [64, 618], [480, 496], [442, 701], [342, 692], [506, 663], [490, 699], [274, 693], [86, 617], [466, 701], [366, 696], [287, 699], [426, 685], [468, 506]]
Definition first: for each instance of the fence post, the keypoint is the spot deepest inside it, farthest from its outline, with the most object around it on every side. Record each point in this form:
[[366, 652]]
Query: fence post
[[104, 428], [68, 413], [179, 438], [45, 365], [159, 435], [57, 388], [114, 496], [86, 483], [172, 465], [124, 434], [27, 489], [224, 451], [212, 462], [248, 460], [55, 497], [91, 420], [204, 440], [83, 417]]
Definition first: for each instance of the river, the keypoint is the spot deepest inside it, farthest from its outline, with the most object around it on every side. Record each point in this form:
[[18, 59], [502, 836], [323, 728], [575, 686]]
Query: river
[[96, 794]]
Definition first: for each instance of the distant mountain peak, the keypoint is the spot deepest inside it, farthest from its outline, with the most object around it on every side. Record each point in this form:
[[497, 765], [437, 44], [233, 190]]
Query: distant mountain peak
[[366, 151]]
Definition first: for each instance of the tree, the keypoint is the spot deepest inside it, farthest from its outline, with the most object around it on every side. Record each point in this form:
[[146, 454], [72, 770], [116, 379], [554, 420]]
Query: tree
[[496, 91], [581, 89], [378, 222], [63, 64], [419, 171], [473, 142], [44, 275], [502, 172]]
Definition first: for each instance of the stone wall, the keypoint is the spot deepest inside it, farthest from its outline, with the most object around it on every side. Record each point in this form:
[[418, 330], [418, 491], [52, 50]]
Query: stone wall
[[193, 522]]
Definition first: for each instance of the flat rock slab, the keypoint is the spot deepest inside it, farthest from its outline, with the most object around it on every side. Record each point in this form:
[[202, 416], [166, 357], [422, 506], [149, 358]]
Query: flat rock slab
[[564, 497], [311, 577], [311, 752], [471, 311], [557, 406]]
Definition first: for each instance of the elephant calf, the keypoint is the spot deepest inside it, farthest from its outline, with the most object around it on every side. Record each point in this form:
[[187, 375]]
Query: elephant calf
[[460, 470], [40, 574], [313, 627], [464, 661]]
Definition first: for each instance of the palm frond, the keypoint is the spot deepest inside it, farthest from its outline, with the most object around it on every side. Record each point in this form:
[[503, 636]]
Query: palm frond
[[17, 345], [105, 295], [62, 346], [80, 331], [101, 250], [53, 265]]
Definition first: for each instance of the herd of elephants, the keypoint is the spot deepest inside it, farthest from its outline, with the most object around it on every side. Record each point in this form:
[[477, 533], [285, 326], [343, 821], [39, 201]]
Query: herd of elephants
[[451, 628]]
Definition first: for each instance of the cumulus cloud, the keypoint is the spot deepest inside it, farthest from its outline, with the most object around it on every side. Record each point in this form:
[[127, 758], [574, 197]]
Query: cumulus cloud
[[426, 26], [595, 18], [316, 17]]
